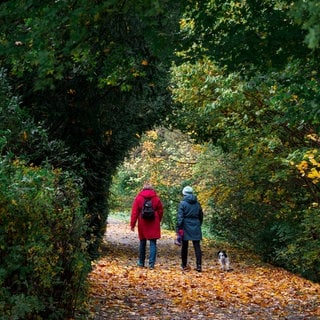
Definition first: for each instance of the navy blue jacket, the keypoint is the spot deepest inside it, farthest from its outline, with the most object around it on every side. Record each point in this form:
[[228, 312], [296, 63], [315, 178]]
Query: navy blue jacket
[[190, 217]]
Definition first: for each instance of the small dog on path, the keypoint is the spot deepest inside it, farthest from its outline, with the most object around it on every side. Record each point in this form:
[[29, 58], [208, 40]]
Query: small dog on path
[[224, 260]]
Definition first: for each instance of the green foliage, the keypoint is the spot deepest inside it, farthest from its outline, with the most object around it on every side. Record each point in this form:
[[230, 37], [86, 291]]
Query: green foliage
[[297, 243], [201, 89], [267, 125], [307, 14], [94, 74], [240, 34], [26, 138], [91, 77], [43, 253]]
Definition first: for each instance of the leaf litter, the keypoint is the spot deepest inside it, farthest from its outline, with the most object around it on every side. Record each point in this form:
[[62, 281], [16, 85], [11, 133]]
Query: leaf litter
[[119, 289]]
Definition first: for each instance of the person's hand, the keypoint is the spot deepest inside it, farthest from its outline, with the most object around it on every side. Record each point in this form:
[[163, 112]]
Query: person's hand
[[132, 229]]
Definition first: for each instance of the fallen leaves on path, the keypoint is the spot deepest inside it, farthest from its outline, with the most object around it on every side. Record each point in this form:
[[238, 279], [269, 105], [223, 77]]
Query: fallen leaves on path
[[252, 290]]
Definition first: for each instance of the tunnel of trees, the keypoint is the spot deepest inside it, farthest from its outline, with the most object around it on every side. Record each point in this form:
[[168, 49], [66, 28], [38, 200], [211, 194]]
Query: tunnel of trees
[[237, 84]]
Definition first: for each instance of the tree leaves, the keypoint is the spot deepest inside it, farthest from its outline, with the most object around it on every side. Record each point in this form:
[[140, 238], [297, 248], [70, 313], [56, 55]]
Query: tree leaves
[[306, 13], [252, 290], [260, 119], [84, 69]]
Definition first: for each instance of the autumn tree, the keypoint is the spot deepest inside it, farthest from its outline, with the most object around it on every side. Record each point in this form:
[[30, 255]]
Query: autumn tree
[[167, 160], [86, 79], [248, 83], [94, 74]]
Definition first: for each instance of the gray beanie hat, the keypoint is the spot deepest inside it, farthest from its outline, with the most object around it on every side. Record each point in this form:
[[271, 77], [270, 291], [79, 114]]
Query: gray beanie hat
[[187, 190]]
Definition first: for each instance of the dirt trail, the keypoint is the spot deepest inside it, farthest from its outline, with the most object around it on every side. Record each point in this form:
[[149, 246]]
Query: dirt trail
[[252, 290]]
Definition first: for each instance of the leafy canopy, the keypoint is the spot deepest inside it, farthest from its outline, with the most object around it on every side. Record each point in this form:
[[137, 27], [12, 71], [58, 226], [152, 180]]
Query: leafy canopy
[[248, 83]]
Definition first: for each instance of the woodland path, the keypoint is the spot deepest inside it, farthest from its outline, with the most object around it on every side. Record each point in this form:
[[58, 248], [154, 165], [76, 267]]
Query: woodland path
[[252, 290]]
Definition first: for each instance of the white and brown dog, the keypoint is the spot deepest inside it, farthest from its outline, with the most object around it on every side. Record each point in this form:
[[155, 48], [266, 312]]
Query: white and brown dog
[[224, 261]]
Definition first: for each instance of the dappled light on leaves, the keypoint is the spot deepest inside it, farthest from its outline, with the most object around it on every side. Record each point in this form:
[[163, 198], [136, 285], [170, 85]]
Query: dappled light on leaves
[[252, 290]]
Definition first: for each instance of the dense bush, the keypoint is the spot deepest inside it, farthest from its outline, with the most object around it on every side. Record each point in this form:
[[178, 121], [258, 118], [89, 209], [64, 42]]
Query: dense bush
[[43, 259]]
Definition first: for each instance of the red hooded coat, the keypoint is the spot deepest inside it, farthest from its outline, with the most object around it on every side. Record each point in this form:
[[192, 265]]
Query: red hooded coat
[[147, 229]]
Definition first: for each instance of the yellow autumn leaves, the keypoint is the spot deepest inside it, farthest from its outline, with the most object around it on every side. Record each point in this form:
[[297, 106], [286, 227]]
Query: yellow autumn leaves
[[252, 290], [310, 166]]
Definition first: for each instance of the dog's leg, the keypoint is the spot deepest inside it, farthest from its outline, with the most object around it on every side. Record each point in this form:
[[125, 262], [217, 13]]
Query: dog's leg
[[227, 264], [221, 264]]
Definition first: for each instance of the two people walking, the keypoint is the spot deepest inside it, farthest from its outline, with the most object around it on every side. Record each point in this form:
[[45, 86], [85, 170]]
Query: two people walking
[[189, 221]]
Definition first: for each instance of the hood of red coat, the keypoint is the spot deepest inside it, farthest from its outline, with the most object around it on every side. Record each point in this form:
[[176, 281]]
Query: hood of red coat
[[148, 193]]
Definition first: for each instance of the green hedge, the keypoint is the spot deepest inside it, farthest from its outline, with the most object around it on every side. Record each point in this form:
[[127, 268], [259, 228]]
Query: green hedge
[[43, 259]]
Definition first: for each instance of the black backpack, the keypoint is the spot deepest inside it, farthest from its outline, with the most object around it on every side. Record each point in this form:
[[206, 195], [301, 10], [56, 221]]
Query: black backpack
[[147, 211]]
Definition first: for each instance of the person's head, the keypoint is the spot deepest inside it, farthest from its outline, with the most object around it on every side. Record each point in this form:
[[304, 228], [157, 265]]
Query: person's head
[[147, 186], [187, 190]]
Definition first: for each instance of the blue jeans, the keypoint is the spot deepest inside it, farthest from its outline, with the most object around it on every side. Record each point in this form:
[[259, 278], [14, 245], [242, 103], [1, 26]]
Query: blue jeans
[[152, 255]]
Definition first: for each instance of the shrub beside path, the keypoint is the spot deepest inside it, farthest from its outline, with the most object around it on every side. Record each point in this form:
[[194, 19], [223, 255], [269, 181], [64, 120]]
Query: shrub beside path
[[252, 290]]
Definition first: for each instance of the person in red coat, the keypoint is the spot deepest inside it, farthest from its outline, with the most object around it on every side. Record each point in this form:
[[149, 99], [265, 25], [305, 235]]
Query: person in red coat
[[147, 229]]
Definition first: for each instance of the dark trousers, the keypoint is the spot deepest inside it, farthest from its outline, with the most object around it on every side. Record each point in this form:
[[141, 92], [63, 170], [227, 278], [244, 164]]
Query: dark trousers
[[197, 251]]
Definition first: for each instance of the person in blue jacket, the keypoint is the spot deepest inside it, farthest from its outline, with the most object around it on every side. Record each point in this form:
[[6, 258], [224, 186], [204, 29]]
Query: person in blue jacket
[[189, 221]]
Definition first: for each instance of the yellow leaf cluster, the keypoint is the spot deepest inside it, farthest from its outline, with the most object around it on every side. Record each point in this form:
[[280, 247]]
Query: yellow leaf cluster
[[187, 24], [152, 134], [149, 146], [310, 166]]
